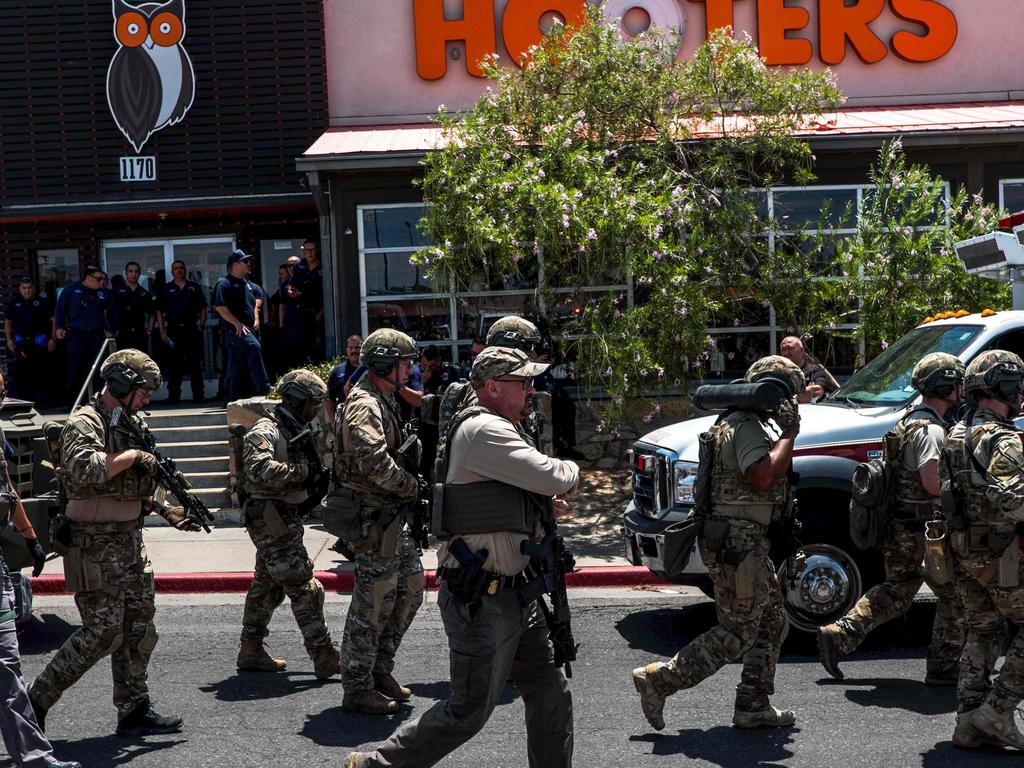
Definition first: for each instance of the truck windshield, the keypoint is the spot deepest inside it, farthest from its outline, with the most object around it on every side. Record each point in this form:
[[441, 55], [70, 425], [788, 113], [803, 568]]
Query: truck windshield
[[886, 379]]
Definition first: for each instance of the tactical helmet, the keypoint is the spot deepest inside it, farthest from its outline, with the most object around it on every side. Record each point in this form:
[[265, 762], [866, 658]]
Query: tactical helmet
[[514, 331], [937, 374], [383, 348], [129, 369], [995, 372], [779, 368], [301, 385]]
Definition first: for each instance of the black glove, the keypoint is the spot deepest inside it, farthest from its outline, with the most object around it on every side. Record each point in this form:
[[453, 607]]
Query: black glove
[[38, 556]]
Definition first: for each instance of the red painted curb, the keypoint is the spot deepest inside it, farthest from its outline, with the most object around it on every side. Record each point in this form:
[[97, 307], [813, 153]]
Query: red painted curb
[[333, 581]]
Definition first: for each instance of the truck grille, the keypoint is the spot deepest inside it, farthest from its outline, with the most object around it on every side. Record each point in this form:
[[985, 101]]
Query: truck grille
[[650, 482]]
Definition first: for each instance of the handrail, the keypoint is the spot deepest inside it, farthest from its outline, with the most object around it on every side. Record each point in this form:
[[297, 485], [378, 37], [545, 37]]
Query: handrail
[[87, 385]]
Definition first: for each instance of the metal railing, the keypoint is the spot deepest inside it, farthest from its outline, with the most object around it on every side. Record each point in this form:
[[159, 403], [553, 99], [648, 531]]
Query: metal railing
[[87, 385]]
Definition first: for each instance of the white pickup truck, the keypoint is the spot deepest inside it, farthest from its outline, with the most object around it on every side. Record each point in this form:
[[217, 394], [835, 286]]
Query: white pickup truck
[[835, 434]]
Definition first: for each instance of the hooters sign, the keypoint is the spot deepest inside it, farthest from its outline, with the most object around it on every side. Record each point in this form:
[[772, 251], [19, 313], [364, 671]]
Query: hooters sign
[[917, 31]]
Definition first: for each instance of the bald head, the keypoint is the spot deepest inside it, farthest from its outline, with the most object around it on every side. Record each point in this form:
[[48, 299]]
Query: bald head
[[793, 348]]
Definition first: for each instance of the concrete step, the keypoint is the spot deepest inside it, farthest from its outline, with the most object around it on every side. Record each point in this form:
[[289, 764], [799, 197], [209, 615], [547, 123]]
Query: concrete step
[[178, 434], [197, 465], [213, 497], [195, 449], [186, 417]]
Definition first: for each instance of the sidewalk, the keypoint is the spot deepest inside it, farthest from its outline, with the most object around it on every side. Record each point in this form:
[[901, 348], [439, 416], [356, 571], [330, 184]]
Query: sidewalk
[[222, 561]]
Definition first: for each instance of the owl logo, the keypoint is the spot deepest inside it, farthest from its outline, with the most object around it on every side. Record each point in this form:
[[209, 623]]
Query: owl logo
[[150, 82]]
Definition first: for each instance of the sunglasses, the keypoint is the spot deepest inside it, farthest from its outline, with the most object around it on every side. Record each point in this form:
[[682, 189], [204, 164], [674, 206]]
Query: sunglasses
[[524, 383]]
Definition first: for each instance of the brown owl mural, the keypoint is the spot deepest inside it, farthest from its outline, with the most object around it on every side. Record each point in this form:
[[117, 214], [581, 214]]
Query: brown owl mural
[[150, 82]]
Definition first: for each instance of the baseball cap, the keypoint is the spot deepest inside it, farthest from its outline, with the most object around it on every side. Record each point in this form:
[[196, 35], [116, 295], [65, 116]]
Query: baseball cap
[[495, 362], [238, 255]]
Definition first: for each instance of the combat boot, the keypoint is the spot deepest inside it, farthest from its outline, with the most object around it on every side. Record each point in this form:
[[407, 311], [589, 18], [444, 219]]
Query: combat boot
[[390, 687], [52, 762], [356, 759], [943, 677], [769, 717], [146, 721], [996, 727], [326, 661], [369, 702], [965, 735], [253, 657], [652, 699], [828, 650]]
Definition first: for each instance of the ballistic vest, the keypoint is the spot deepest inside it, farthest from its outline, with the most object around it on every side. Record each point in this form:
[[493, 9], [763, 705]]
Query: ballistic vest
[[490, 506], [93, 419], [293, 492], [987, 428], [912, 501], [732, 496], [346, 470]]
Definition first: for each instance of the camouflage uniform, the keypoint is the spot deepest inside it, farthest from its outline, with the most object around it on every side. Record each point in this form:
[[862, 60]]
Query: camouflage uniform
[[748, 598], [275, 481], [389, 578], [106, 567], [987, 556], [903, 553]]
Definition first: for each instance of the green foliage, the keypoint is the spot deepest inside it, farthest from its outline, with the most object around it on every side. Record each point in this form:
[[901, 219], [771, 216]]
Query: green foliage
[[904, 250], [615, 160]]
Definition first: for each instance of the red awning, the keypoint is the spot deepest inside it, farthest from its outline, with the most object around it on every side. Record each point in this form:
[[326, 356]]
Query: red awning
[[392, 145]]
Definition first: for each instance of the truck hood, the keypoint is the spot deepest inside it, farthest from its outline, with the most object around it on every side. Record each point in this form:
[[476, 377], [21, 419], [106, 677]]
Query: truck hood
[[821, 425]]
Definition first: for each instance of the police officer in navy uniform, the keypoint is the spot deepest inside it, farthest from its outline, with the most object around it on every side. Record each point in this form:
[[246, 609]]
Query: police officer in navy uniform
[[303, 330], [237, 300], [28, 326], [135, 308], [181, 317], [85, 316]]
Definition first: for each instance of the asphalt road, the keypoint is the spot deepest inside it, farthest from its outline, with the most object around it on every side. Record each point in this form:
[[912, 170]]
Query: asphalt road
[[881, 715]]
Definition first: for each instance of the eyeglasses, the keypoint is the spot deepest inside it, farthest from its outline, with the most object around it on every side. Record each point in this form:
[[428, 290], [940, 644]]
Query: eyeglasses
[[524, 383]]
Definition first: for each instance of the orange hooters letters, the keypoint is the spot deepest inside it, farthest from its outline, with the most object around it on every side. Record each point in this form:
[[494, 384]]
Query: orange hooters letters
[[785, 36]]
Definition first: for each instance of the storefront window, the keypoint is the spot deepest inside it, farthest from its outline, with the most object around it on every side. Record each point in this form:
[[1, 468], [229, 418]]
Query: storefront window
[[801, 208], [57, 267], [1011, 195]]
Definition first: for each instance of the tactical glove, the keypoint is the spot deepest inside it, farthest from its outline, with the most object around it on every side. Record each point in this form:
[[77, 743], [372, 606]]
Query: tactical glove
[[146, 463], [176, 516], [788, 419], [38, 556]]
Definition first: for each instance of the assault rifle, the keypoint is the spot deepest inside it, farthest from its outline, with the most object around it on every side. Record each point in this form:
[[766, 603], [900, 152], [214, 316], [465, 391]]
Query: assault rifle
[[410, 453], [167, 474], [303, 444], [549, 560]]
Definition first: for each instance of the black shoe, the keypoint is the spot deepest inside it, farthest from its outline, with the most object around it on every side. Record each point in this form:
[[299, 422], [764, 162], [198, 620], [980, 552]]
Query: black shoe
[[40, 712], [52, 762], [343, 549], [146, 721]]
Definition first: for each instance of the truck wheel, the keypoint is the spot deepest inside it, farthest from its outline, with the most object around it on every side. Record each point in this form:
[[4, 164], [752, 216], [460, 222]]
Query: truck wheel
[[824, 586]]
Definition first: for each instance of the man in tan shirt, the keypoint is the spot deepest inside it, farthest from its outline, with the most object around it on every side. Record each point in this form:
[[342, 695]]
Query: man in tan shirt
[[493, 483]]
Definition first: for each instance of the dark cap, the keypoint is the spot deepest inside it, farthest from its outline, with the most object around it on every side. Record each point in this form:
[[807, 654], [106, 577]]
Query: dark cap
[[238, 255]]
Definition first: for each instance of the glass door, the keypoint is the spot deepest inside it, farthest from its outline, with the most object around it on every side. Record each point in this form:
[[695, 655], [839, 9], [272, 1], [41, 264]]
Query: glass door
[[151, 257]]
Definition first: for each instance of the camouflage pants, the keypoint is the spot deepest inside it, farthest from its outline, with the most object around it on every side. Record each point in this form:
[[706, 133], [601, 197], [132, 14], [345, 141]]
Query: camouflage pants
[[987, 608], [387, 593], [282, 568], [902, 553], [117, 610], [748, 601]]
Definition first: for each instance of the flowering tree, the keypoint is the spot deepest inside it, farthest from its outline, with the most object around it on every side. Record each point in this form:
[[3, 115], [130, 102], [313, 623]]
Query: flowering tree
[[601, 162], [901, 262]]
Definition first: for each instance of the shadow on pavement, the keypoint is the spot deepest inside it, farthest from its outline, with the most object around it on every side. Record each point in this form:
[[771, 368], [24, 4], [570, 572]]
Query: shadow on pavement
[[909, 695], [111, 750], [725, 746], [336, 728], [945, 755], [663, 631], [42, 634], [443, 689], [253, 686]]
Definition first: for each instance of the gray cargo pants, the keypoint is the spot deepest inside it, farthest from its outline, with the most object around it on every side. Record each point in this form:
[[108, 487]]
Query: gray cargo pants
[[499, 638], [22, 736]]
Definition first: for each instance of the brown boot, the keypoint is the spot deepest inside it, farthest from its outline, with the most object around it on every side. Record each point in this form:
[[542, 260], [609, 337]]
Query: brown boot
[[253, 657], [652, 698], [965, 735], [764, 718], [828, 650], [369, 702], [996, 727], [326, 661], [390, 687]]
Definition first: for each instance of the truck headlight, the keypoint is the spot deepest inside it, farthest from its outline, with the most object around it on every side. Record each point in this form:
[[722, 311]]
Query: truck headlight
[[683, 475]]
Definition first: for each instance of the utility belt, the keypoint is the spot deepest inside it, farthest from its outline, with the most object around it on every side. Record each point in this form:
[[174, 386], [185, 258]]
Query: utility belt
[[483, 583], [125, 526], [761, 513]]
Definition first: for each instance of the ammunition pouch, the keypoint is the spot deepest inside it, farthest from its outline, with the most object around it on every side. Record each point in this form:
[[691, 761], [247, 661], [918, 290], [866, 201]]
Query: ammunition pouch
[[938, 553], [740, 569], [953, 506], [81, 574], [342, 513], [714, 532], [989, 538], [487, 507]]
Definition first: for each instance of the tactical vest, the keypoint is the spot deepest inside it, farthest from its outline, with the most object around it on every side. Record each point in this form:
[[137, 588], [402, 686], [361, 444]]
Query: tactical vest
[[490, 506], [346, 472], [911, 501], [256, 488], [977, 507], [456, 397], [732, 496], [124, 486]]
